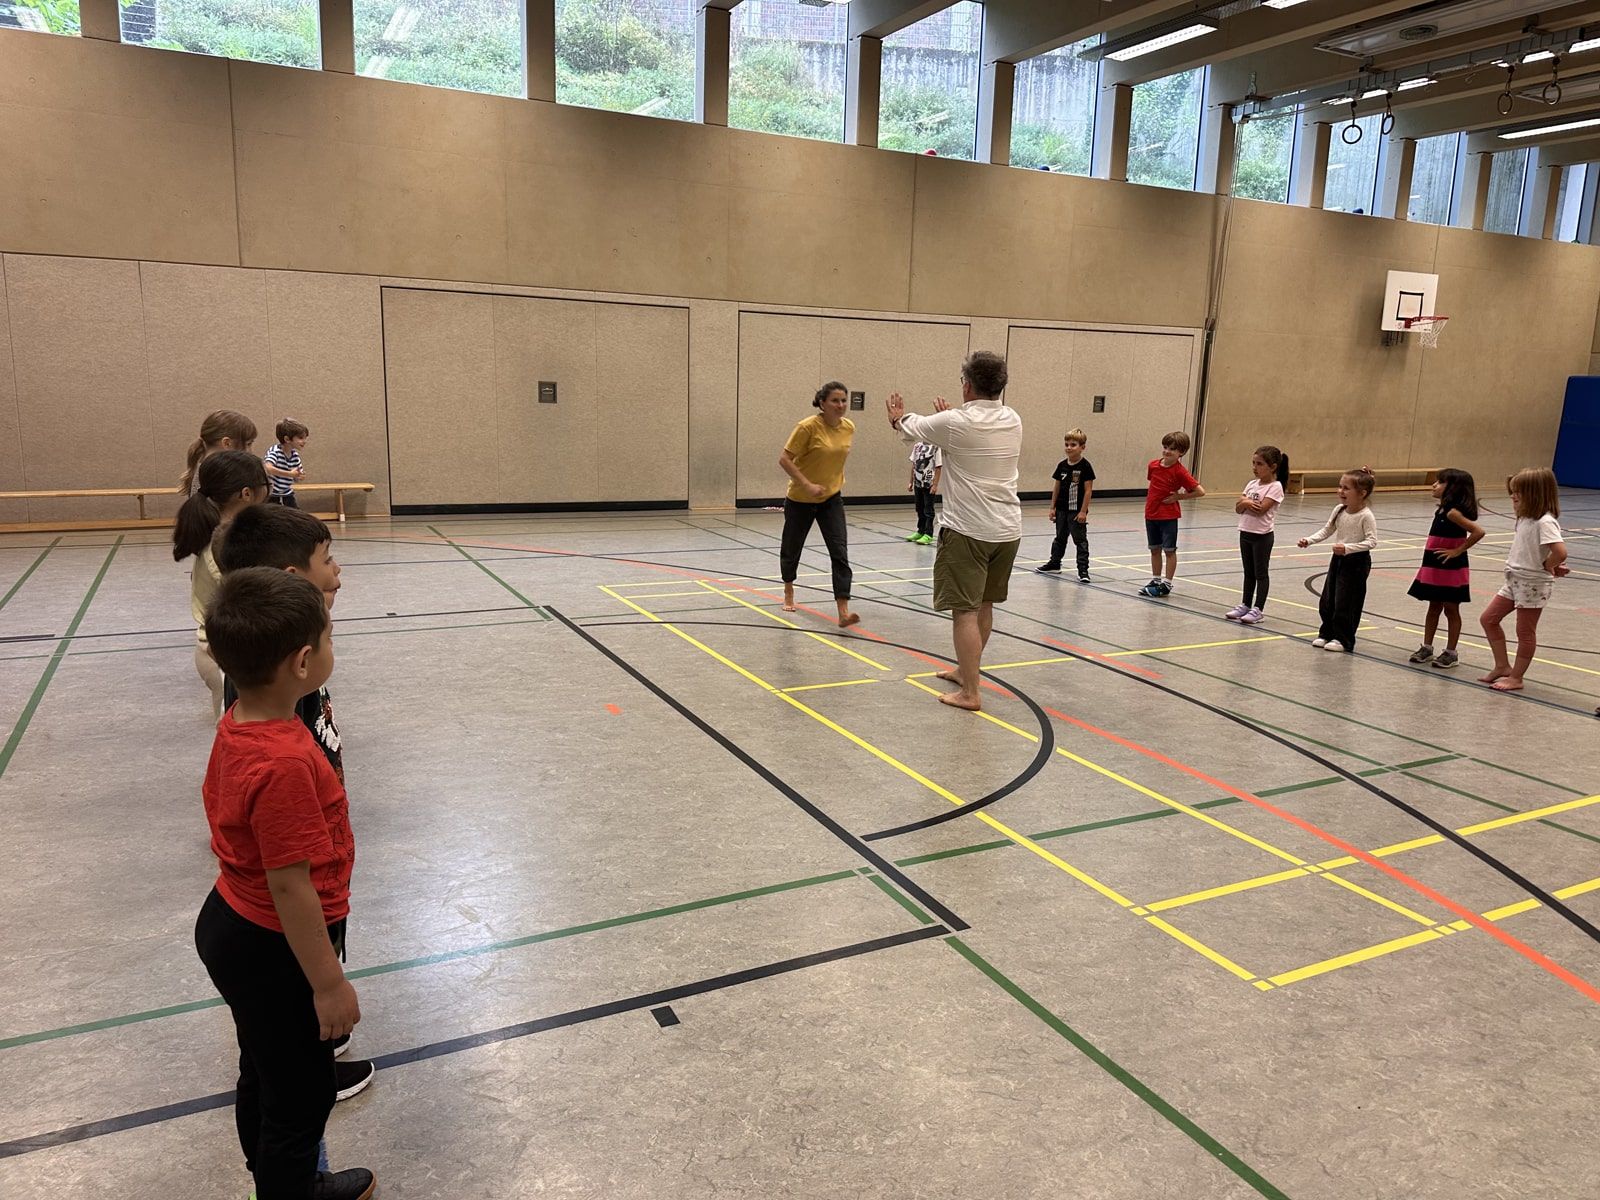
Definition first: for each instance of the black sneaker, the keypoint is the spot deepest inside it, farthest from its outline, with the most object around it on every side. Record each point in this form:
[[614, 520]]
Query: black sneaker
[[1047, 569], [352, 1078], [340, 1045], [1083, 577], [357, 1183]]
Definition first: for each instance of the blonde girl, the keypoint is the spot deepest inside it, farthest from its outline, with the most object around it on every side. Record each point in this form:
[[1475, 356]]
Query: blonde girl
[[1355, 535], [1538, 558], [222, 430]]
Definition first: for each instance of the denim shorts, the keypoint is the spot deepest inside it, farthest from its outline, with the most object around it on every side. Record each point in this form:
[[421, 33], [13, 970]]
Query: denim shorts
[[1162, 535]]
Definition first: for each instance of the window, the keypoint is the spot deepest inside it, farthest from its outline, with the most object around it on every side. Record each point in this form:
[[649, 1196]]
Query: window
[[1052, 115], [1433, 177], [1353, 168], [40, 16], [627, 56], [929, 98], [1264, 150], [285, 32], [474, 45], [1569, 201], [1506, 172], [1164, 136], [786, 68]]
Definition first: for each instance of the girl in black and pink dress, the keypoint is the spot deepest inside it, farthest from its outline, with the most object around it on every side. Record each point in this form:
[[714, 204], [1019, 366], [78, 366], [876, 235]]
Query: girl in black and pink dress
[[1442, 580]]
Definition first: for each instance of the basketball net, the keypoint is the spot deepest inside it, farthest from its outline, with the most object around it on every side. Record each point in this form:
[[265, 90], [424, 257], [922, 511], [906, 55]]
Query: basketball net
[[1428, 329]]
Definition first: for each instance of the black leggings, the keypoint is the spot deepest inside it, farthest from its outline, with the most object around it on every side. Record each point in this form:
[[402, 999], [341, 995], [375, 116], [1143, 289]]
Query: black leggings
[[924, 497], [1256, 551], [829, 516], [286, 1078], [1344, 595]]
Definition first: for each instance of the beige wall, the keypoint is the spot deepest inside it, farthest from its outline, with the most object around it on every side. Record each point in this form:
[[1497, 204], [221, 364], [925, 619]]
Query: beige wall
[[182, 232]]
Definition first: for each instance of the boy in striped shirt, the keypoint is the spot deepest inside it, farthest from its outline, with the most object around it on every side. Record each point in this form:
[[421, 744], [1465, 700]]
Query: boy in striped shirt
[[283, 462]]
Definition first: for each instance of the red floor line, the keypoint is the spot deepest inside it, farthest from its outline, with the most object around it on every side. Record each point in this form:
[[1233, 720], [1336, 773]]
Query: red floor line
[[1554, 968], [1115, 662]]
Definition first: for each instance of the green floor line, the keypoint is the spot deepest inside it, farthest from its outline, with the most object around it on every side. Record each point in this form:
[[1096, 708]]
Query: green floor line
[[899, 897], [23, 578], [491, 574], [32, 706], [1121, 1074]]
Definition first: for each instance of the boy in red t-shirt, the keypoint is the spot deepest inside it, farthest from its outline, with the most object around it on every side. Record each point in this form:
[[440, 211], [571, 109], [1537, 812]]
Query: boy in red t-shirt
[[270, 931], [1168, 480]]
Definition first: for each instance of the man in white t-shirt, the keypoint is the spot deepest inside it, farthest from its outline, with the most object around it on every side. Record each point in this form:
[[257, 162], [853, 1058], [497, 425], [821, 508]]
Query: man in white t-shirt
[[982, 527]]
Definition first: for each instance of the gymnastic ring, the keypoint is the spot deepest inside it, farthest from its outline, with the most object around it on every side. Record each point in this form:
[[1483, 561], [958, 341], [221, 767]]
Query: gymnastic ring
[[1554, 86], [1505, 102], [1344, 134], [1386, 126]]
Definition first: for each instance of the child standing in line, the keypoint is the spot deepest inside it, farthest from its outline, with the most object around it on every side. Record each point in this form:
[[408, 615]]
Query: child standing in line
[[271, 930], [1355, 533], [1443, 579], [927, 464], [1069, 507], [1538, 558], [1168, 481], [1257, 507], [283, 461], [222, 430], [226, 483]]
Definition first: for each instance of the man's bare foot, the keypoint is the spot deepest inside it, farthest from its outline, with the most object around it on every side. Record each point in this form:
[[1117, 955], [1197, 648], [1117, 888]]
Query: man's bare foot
[[1492, 676], [847, 619], [960, 700], [788, 597], [949, 676], [1509, 683]]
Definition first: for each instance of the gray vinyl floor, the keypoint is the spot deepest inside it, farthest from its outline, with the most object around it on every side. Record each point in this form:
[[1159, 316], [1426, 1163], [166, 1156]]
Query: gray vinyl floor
[[621, 926]]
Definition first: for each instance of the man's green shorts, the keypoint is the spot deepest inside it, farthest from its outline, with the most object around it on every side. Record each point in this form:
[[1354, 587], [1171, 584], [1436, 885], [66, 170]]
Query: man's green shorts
[[968, 573]]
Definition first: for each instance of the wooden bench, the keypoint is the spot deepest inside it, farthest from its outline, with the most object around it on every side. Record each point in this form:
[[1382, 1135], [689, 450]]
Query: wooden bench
[[139, 494], [1327, 479]]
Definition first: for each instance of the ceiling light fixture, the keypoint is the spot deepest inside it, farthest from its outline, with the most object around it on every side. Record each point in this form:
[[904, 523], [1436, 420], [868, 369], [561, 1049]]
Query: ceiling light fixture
[[1537, 56], [1161, 41], [1332, 100], [1563, 127], [1281, 3], [1425, 81], [1374, 93], [1586, 44]]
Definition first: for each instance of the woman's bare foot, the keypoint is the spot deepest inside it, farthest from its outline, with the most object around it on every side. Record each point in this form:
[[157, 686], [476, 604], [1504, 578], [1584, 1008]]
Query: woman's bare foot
[[788, 597], [960, 700], [848, 618], [1508, 683], [1493, 675], [949, 676]]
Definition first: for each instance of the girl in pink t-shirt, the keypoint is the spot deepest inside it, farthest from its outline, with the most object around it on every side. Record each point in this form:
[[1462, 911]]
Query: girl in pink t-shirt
[[1257, 507]]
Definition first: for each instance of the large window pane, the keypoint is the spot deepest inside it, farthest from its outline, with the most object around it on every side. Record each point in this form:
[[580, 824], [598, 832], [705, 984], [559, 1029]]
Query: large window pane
[[627, 56], [475, 45], [1433, 174], [1353, 169], [270, 31], [930, 84], [1164, 136], [786, 68], [1506, 171], [1052, 116], [1265, 148], [40, 16], [1569, 201]]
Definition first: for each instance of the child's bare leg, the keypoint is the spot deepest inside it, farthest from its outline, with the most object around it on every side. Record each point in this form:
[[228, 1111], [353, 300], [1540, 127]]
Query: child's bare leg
[[788, 597], [1527, 644], [1155, 562], [1172, 564], [1452, 620], [846, 617], [1493, 613], [1430, 625]]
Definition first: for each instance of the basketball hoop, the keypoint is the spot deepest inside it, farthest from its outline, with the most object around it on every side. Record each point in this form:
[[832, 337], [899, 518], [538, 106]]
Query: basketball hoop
[[1428, 327]]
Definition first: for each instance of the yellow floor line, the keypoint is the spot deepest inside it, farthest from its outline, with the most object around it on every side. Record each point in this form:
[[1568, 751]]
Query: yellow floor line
[[1478, 644], [1227, 889], [831, 643], [1226, 963], [1356, 956], [1271, 637], [815, 687], [1391, 905], [1037, 662]]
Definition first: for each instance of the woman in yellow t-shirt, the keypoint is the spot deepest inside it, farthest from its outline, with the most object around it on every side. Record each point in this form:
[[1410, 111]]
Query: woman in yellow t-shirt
[[813, 459]]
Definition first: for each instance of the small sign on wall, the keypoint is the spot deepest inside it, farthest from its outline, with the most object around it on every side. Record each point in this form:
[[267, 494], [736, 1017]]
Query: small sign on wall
[[1099, 404], [858, 401], [547, 391]]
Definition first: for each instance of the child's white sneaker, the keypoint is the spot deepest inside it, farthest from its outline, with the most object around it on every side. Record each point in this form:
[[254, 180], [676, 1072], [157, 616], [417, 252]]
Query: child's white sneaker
[[1332, 647], [1252, 617], [1318, 643], [1237, 611]]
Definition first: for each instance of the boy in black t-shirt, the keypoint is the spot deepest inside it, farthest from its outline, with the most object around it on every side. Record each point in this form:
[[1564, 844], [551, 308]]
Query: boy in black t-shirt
[[1069, 504]]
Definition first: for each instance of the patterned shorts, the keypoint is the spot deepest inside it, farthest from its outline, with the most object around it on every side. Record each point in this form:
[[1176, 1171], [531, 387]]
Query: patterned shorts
[[1526, 593]]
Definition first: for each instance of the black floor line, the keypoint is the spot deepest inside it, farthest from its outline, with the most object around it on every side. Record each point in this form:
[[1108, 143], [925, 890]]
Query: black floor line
[[471, 1041], [1047, 738], [130, 633], [887, 868]]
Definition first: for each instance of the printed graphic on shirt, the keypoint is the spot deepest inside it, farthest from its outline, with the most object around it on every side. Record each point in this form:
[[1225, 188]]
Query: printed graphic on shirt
[[923, 458]]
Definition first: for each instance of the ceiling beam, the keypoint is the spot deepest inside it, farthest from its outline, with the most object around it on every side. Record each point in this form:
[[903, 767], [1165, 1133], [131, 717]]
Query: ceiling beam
[[1015, 30], [880, 18], [1479, 109]]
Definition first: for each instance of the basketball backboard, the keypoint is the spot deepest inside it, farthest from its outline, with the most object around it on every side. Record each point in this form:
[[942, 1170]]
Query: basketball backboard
[[1408, 294]]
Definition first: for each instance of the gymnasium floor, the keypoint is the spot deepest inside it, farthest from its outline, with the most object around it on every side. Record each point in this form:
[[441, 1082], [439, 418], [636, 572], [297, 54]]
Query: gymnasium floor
[[624, 925]]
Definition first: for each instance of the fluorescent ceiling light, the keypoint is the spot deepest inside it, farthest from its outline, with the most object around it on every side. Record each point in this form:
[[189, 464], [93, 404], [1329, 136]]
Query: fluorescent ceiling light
[[1162, 41], [1586, 44], [1281, 3], [1538, 56], [1425, 81], [1340, 100], [1516, 134], [1374, 93]]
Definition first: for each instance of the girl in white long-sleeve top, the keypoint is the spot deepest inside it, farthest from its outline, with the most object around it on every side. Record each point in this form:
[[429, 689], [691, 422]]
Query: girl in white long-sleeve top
[[1354, 531]]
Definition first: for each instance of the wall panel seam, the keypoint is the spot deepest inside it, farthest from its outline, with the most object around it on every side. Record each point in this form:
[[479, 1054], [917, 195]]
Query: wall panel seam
[[16, 380]]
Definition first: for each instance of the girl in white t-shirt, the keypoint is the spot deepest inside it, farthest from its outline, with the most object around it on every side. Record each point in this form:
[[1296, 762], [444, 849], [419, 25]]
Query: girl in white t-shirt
[[1257, 507], [1538, 558]]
